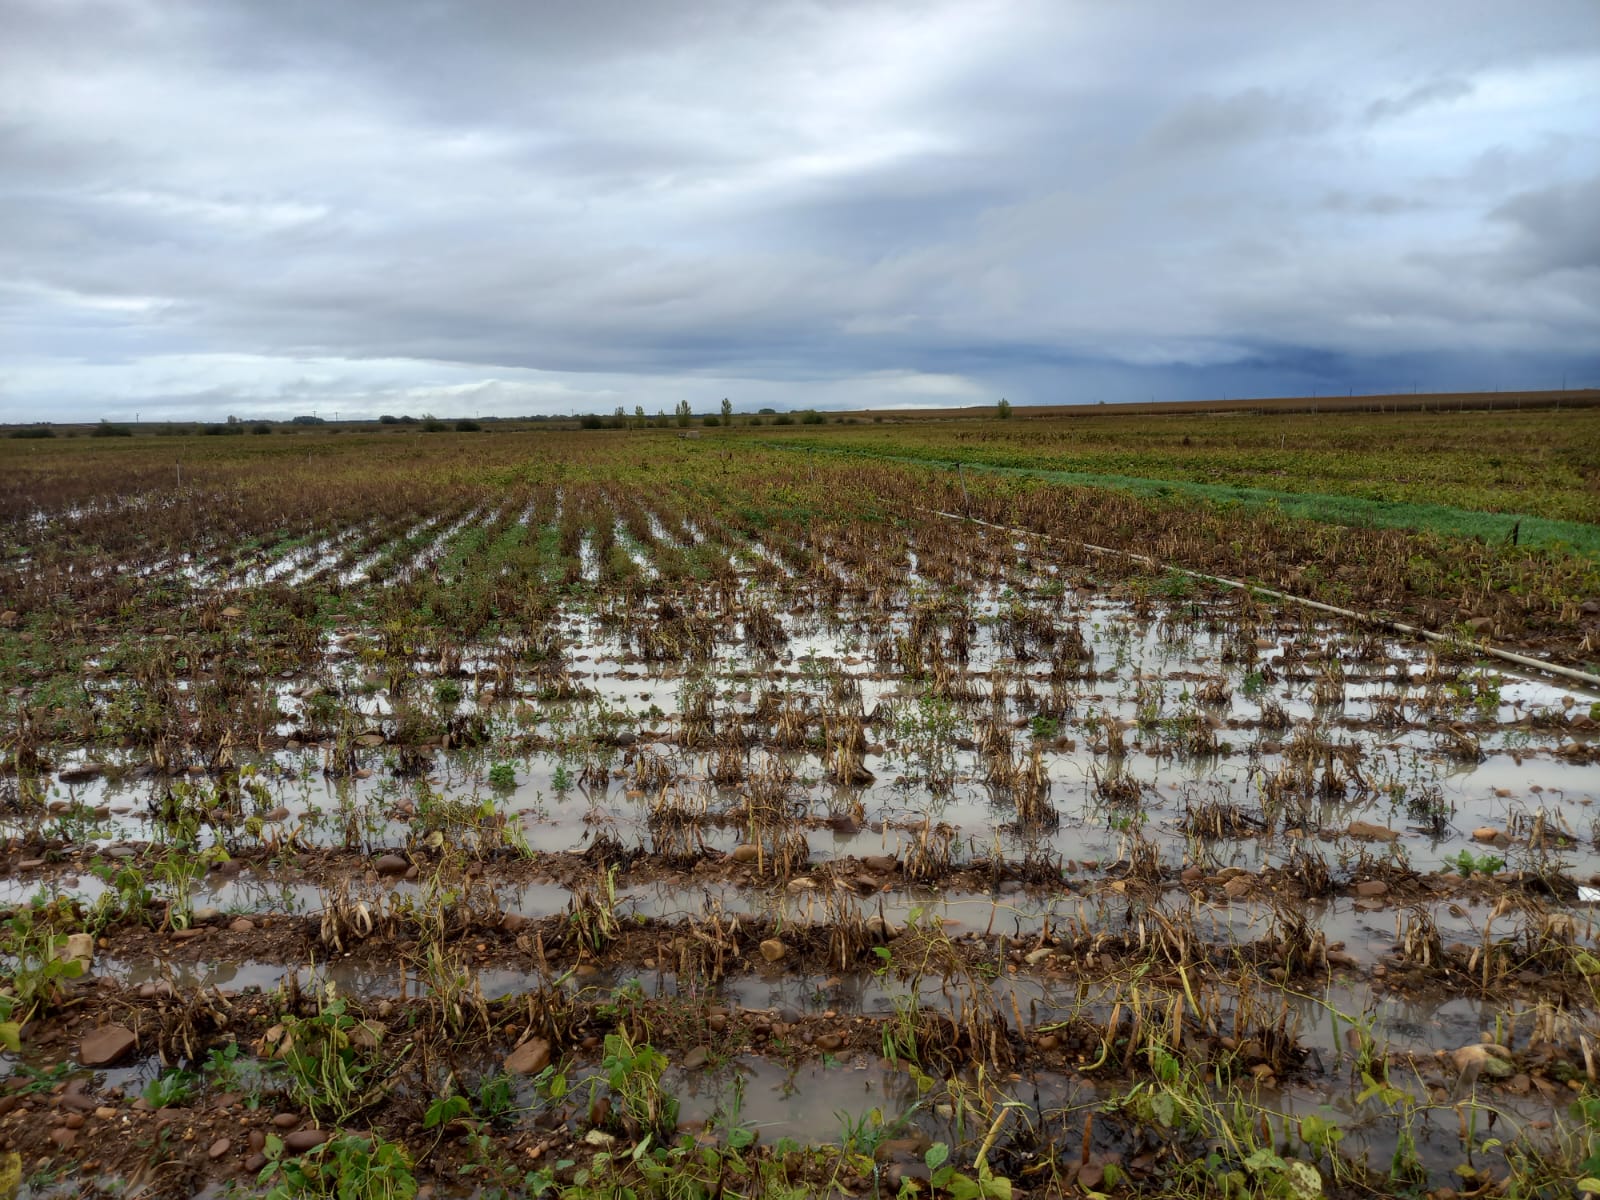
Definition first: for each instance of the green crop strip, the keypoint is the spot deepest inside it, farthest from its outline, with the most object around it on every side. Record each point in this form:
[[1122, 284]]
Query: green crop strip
[[1569, 536]]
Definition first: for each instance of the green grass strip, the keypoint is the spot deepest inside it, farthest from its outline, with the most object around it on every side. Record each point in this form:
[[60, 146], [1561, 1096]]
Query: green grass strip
[[1572, 537]]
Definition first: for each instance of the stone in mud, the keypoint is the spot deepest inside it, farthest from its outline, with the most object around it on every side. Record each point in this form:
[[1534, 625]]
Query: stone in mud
[[1238, 887], [1372, 888], [106, 1045], [529, 1058], [391, 864], [302, 1140], [1366, 831], [745, 854], [773, 950], [83, 772], [79, 947], [219, 1148], [881, 863], [829, 1042], [241, 925], [276, 815], [696, 1058], [1485, 1059], [1488, 833]]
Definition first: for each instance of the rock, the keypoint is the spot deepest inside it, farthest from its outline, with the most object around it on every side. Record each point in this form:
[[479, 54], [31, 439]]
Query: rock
[[105, 1112], [370, 740], [205, 913], [513, 922], [302, 1140], [900, 1173], [391, 864], [1238, 887], [1367, 832], [829, 1042], [64, 1139], [696, 1058], [1484, 1058], [276, 815], [231, 613], [79, 947], [286, 1120], [1372, 887], [258, 1140], [1192, 875], [241, 925], [255, 1163], [82, 772], [30, 864], [745, 854], [1034, 957], [529, 1058], [106, 1045], [599, 1138], [1488, 833], [773, 950], [881, 863], [219, 1148]]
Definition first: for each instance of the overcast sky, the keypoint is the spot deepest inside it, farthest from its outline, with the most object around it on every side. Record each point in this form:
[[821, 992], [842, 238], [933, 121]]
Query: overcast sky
[[269, 207]]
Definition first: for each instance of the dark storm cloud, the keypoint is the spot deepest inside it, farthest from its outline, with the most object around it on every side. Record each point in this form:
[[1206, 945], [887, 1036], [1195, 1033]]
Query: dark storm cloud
[[533, 206]]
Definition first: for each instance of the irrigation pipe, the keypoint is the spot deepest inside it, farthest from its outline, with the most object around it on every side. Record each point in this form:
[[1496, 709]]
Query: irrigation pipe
[[1510, 656]]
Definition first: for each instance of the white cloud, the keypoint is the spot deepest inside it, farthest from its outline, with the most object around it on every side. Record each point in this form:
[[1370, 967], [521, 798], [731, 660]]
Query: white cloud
[[544, 205]]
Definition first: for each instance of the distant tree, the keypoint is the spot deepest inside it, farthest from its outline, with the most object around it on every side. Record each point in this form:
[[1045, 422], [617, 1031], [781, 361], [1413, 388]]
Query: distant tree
[[107, 429], [261, 427], [591, 421], [388, 419], [727, 411], [812, 417], [468, 425], [432, 424], [639, 419], [783, 419], [1003, 410], [766, 412], [37, 431], [683, 414], [712, 421]]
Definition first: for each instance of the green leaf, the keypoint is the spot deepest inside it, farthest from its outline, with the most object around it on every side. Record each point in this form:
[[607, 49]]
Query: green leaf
[[11, 1036], [937, 1155]]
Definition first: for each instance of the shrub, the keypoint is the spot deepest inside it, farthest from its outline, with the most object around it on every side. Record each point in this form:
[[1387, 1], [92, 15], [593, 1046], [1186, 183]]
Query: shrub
[[467, 425], [107, 429]]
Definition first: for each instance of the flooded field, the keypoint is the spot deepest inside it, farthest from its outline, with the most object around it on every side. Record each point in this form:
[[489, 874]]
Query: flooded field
[[727, 824]]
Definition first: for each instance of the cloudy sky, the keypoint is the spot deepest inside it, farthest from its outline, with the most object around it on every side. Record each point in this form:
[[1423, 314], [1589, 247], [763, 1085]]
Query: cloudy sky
[[268, 208]]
